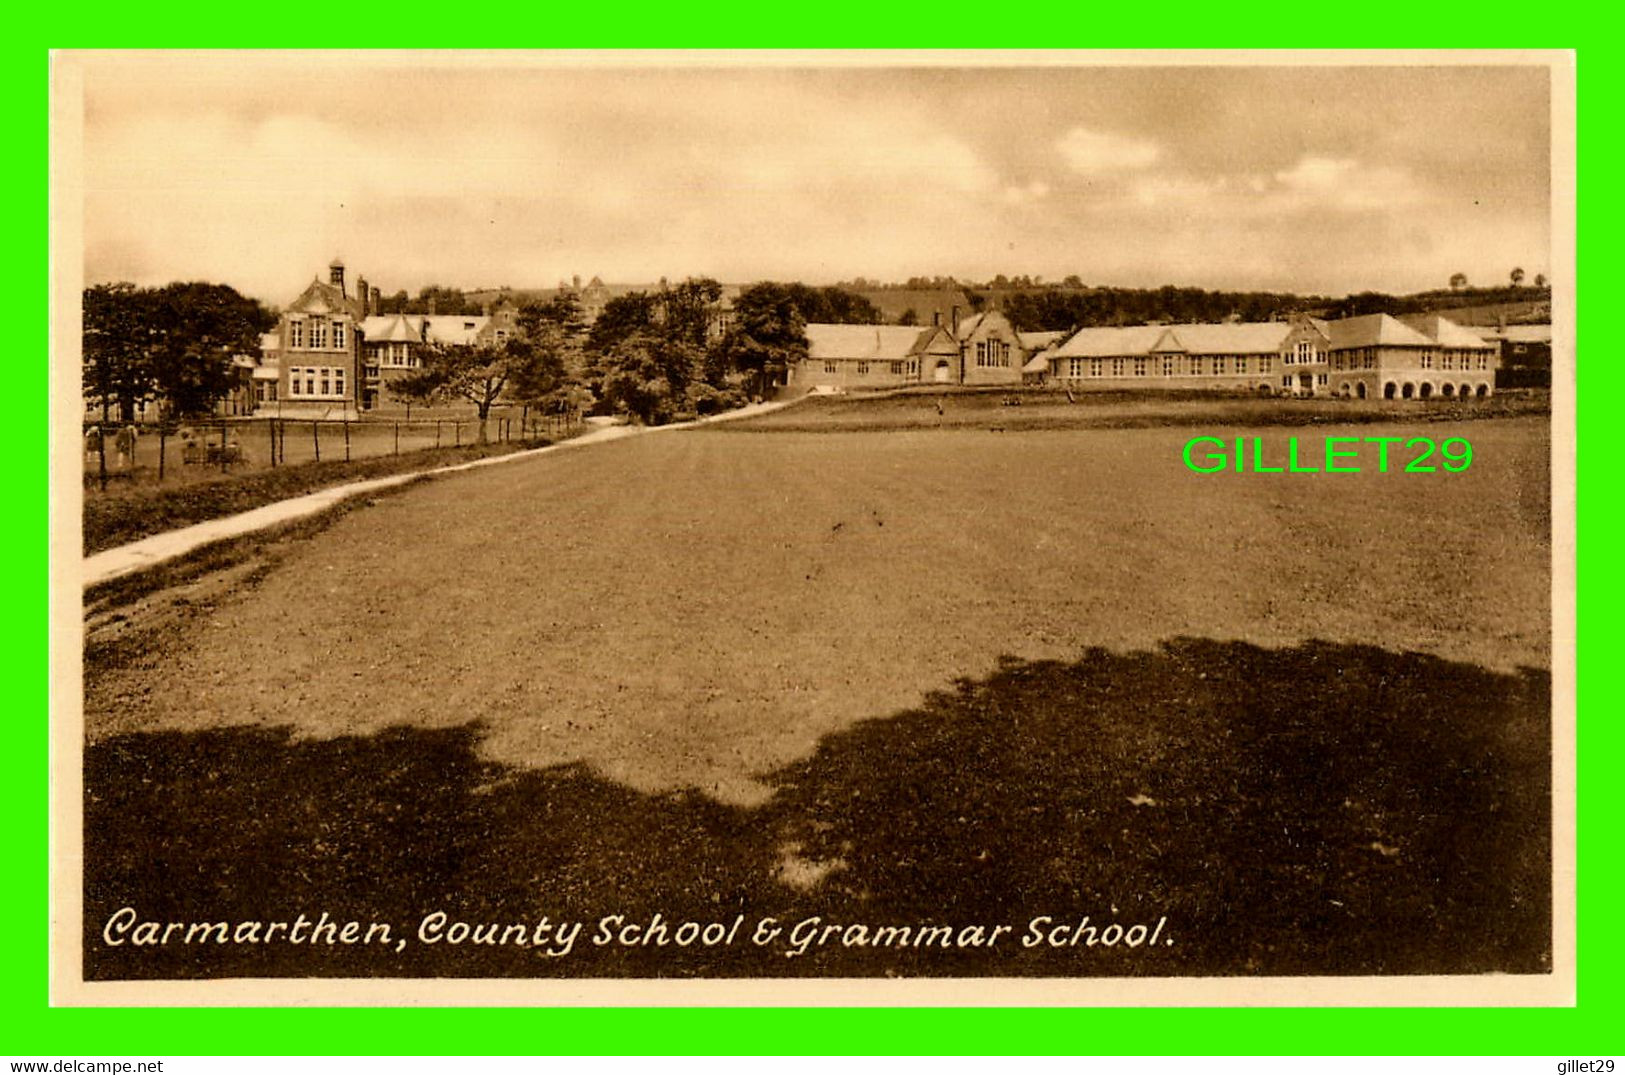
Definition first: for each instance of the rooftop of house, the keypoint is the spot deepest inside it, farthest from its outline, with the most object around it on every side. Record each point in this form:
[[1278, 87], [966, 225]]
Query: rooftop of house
[[879, 343]]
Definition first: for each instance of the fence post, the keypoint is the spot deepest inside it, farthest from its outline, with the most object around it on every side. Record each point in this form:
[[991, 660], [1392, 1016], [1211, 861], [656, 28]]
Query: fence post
[[346, 436], [437, 432], [457, 427], [101, 454], [160, 453], [397, 438], [222, 447], [316, 438], [270, 427]]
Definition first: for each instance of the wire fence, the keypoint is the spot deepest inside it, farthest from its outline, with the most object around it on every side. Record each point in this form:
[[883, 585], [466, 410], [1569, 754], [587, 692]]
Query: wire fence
[[120, 455]]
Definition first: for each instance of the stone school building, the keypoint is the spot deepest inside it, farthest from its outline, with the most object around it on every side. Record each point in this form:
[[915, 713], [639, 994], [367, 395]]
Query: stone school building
[[1370, 357]]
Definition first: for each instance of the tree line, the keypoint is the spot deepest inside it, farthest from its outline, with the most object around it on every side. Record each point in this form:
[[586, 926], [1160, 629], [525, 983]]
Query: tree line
[[656, 355], [174, 343]]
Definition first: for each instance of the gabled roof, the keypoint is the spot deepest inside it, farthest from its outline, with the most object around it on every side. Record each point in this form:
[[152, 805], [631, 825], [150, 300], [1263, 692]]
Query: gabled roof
[[393, 328], [1444, 332], [929, 338], [1231, 338], [1374, 330], [323, 298], [1036, 364], [1104, 341], [877, 343]]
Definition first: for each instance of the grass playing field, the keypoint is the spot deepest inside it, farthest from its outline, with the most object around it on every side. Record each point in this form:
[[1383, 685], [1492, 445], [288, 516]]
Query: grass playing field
[[883, 677]]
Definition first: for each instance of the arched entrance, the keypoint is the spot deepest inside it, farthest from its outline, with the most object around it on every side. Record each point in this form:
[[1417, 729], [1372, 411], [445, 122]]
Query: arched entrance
[[1427, 389], [1359, 390], [1408, 391], [1448, 390], [1389, 390], [1483, 390], [942, 374], [1466, 391], [1266, 390], [1344, 390]]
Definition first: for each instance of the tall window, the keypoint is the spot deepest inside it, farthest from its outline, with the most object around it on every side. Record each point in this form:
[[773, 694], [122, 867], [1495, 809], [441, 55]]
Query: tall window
[[1196, 367], [1074, 368], [1218, 364], [293, 381], [1096, 367], [829, 365], [318, 335], [897, 369], [863, 367], [338, 334], [1139, 367], [1117, 367], [338, 381], [1304, 352], [1264, 363], [296, 334], [1167, 366]]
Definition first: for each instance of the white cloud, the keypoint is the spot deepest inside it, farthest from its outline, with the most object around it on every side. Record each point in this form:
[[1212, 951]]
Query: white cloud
[[1346, 184], [1094, 152]]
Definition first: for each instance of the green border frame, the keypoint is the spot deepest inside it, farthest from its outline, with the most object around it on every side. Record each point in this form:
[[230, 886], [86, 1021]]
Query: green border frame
[[29, 1026]]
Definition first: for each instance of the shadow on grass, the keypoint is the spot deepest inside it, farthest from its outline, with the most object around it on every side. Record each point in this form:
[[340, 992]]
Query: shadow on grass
[[1322, 809]]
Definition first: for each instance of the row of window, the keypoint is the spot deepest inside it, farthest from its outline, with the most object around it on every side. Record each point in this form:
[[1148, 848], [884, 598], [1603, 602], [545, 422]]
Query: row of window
[[1219, 365], [897, 369], [313, 334], [1451, 360], [316, 381], [395, 355], [992, 353]]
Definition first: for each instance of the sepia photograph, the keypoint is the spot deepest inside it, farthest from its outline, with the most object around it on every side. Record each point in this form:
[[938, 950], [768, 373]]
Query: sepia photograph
[[813, 527]]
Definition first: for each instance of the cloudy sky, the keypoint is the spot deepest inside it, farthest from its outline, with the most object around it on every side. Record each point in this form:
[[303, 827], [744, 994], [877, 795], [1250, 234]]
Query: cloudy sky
[[256, 170]]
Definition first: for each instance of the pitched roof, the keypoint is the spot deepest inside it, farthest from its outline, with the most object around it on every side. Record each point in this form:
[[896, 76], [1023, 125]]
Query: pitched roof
[[1374, 330], [396, 328], [883, 343], [320, 297], [1103, 341], [1230, 338], [1444, 332], [1036, 364]]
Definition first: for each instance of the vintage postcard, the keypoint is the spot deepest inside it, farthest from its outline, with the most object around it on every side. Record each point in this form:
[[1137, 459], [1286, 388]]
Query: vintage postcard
[[813, 528]]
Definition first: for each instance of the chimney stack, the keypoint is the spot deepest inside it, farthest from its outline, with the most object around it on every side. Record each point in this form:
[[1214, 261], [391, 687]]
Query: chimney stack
[[335, 274], [362, 294], [376, 300], [936, 318], [956, 322]]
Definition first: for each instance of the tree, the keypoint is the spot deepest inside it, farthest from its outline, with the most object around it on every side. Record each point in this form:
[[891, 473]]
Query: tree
[[115, 369], [192, 332], [648, 372], [478, 373], [1517, 277], [623, 316], [1458, 281], [1540, 279], [909, 317], [769, 333]]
